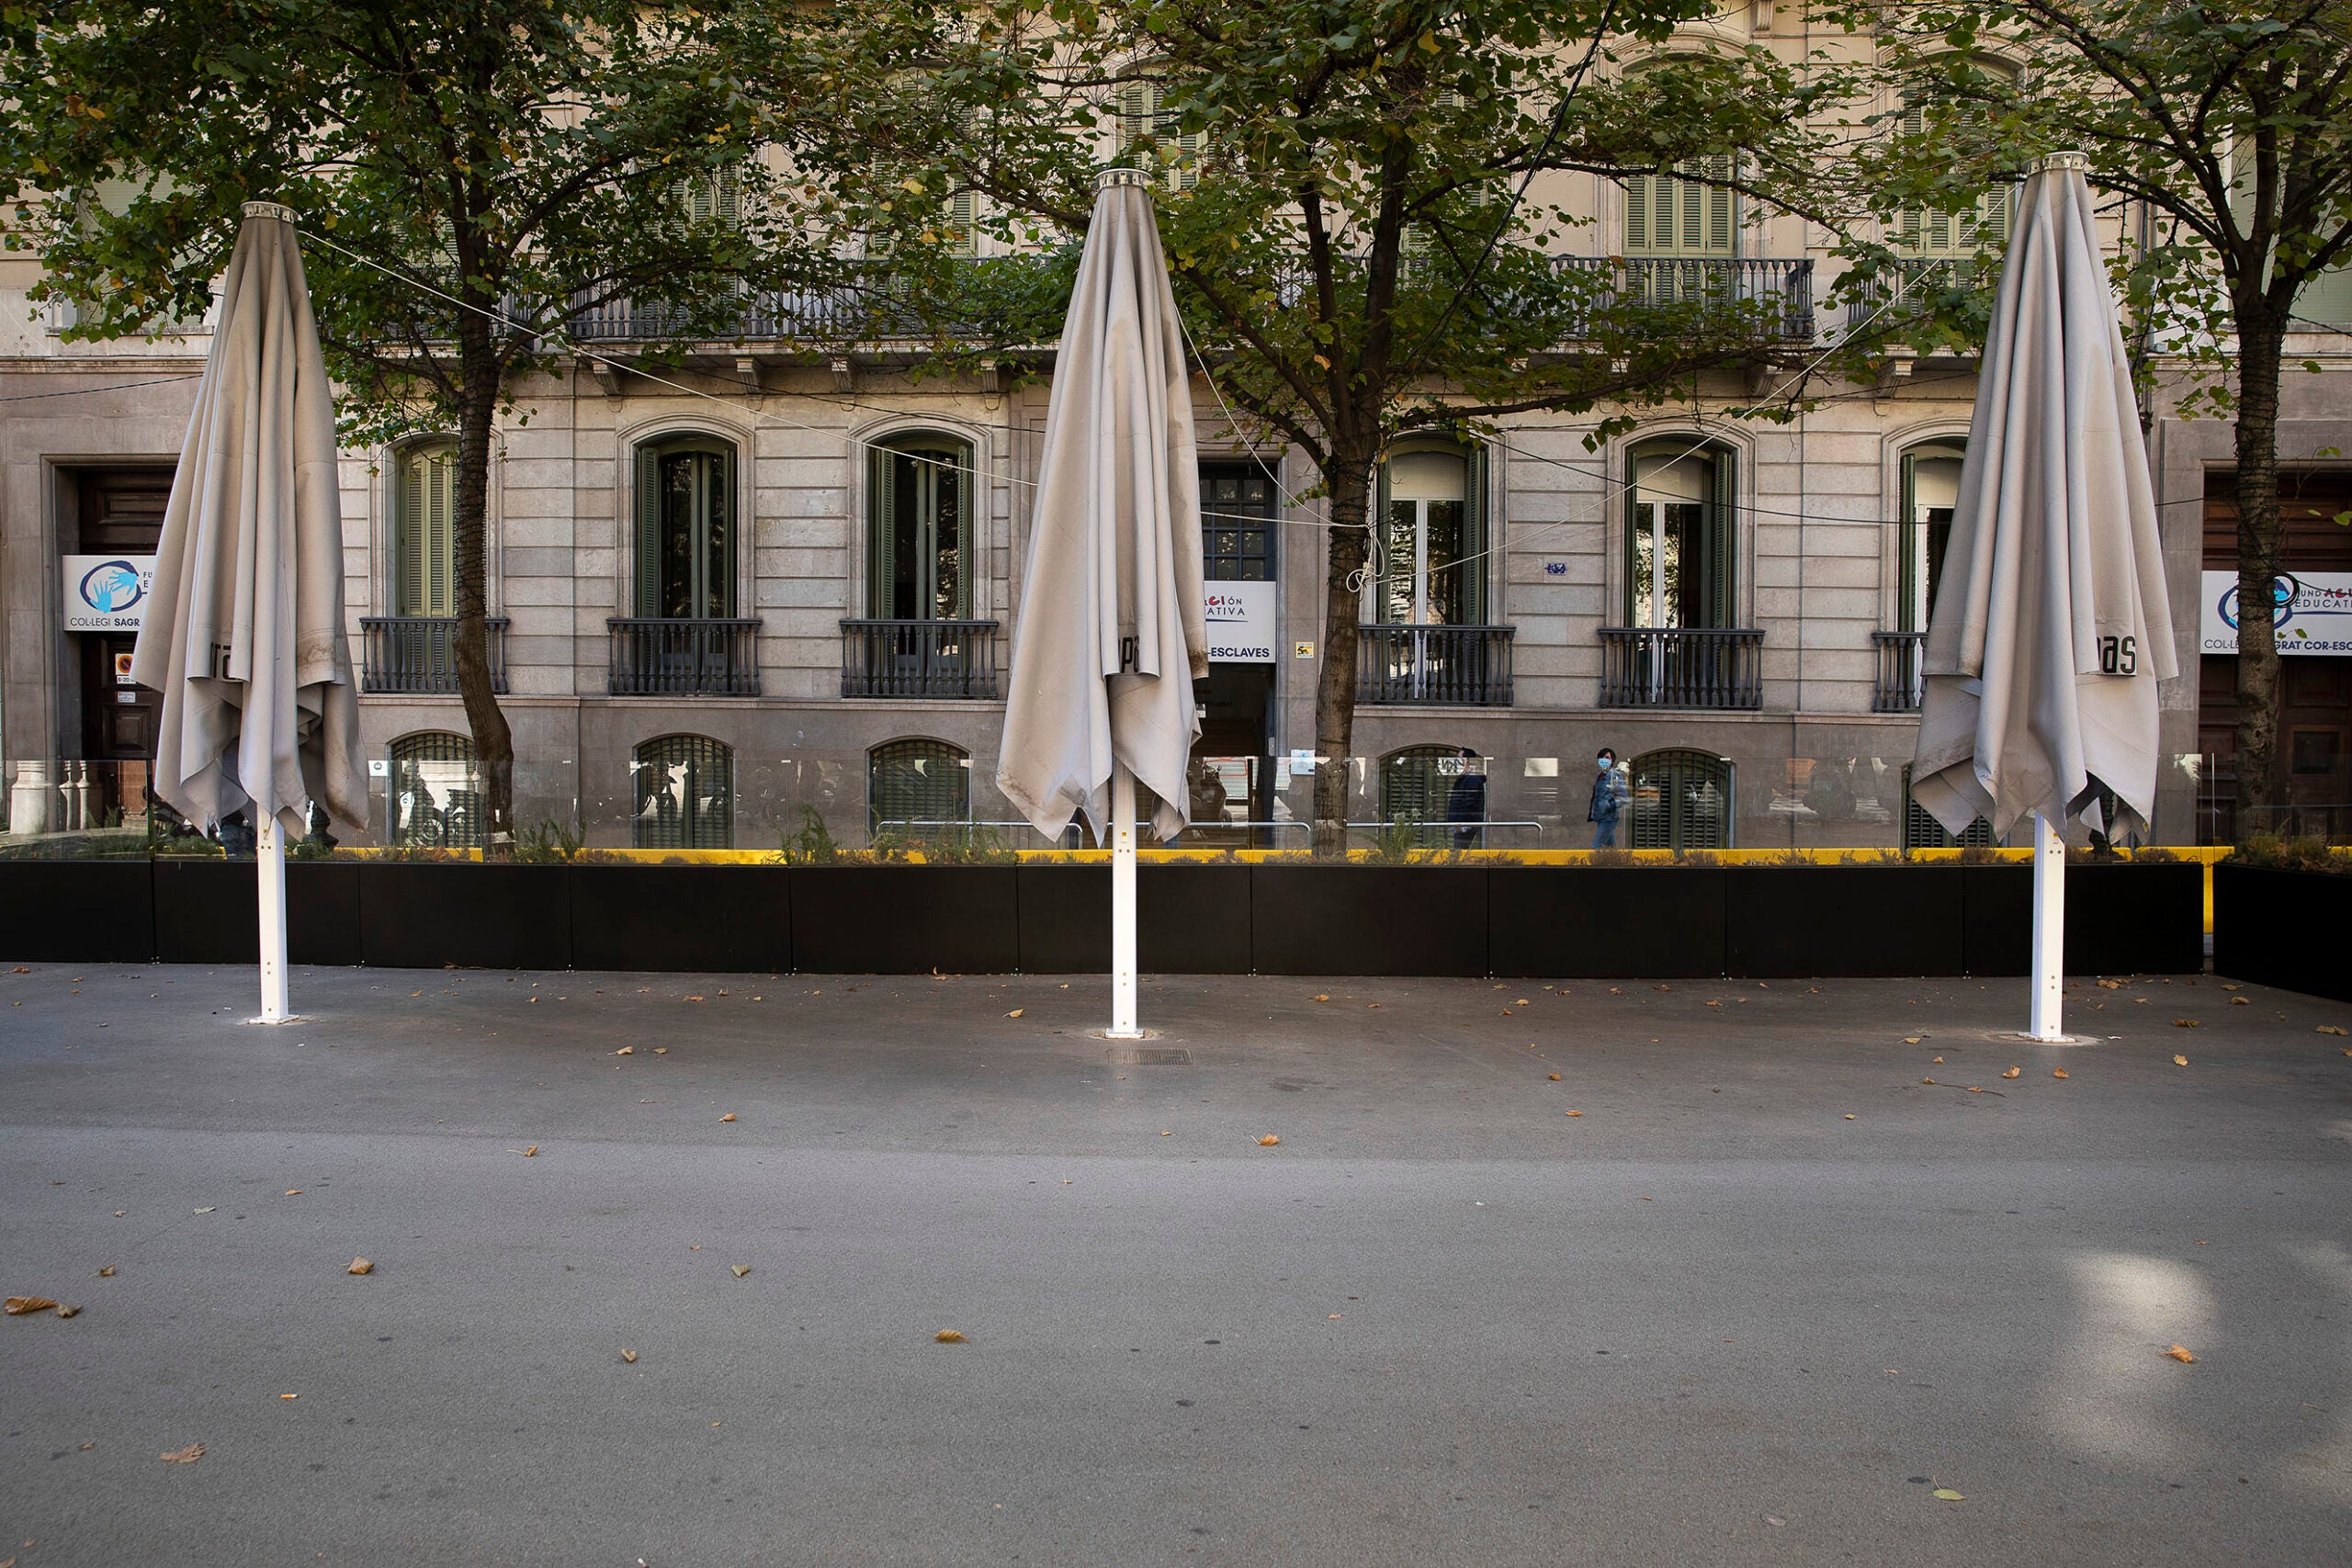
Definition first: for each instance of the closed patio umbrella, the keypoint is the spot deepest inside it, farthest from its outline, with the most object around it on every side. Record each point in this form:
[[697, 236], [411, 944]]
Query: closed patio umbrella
[[1113, 631], [2050, 627], [244, 637]]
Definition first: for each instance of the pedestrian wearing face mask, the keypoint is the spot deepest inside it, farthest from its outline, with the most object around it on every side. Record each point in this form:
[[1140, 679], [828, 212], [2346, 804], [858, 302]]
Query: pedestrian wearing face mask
[[1608, 801]]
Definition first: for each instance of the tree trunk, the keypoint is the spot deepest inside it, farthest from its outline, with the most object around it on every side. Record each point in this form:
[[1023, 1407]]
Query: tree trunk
[[494, 742], [2259, 786], [1335, 692]]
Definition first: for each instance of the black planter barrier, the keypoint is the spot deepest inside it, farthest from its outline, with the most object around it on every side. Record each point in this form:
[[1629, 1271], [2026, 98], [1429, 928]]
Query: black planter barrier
[[1588, 922], [1190, 919], [2121, 919], [2289, 929], [1567, 922]]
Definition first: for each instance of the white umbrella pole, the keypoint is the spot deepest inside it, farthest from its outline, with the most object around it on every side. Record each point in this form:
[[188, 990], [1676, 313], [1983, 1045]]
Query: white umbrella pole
[[269, 862], [1123, 904], [2049, 930]]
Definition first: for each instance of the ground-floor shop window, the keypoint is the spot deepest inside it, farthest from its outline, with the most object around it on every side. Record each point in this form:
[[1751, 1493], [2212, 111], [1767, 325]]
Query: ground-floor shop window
[[1437, 792], [1681, 800], [685, 795], [433, 792], [918, 787]]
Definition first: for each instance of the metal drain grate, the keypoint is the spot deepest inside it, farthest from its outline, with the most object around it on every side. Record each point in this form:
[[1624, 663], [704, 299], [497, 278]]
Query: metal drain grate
[[1151, 1056]]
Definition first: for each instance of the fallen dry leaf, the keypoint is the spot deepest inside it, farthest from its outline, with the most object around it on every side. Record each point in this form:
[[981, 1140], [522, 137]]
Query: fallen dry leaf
[[2014, 1073], [1268, 1142], [18, 1306], [1167, 1135], [698, 998], [2180, 1353], [106, 1272], [1850, 1116], [360, 1265], [1940, 1061], [2240, 1002], [2331, 1028], [1322, 997], [2111, 985], [1913, 1039], [1016, 1012], [1572, 1113], [740, 1269], [665, 1050], [293, 1193], [529, 1152], [628, 1355], [2180, 1061], [1927, 1081], [728, 1117], [203, 1211], [21, 969], [2184, 1024], [188, 1455], [950, 1336], [66, 1311], [626, 1051], [1522, 1001], [290, 1396], [1553, 1076], [2060, 1073]]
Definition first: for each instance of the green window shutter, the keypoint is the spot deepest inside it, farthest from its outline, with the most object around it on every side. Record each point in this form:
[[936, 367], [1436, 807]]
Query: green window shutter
[[966, 547], [1910, 544], [2326, 299], [1475, 563], [1721, 237], [1722, 601], [425, 533], [648, 530], [408, 535], [1632, 533], [1382, 566], [1637, 214], [881, 531]]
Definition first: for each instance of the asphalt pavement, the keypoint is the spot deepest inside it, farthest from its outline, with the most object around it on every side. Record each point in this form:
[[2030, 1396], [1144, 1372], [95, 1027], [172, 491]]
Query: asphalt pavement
[[1330, 1273]]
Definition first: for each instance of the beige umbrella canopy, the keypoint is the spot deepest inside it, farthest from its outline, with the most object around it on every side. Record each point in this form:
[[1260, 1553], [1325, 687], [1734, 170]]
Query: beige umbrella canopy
[[2050, 627], [245, 633], [1112, 632]]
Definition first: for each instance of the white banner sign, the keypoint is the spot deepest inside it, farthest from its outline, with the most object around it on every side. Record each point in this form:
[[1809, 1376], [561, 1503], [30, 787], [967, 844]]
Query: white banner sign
[[106, 593], [1240, 622], [2314, 610]]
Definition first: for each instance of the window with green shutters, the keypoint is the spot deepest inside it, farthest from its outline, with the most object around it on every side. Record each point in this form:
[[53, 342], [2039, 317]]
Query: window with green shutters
[[1430, 546], [1681, 542], [918, 530], [1148, 126], [2324, 302], [1681, 800], [912, 786], [433, 792], [685, 795], [424, 556], [1930, 491], [686, 528], [1676, 213], [1936, 235]]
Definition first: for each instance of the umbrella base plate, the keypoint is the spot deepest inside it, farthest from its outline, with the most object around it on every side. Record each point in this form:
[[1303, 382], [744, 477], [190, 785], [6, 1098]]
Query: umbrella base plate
[[274, 1022], [2019, 1037], [1138, 1034]]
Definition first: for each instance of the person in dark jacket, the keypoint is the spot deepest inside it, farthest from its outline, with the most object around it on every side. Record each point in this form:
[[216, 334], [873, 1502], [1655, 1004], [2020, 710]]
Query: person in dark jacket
[[1608, 801], [1466, 802]]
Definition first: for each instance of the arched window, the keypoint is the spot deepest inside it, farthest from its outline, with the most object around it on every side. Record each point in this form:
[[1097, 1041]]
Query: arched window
[[919, 529], [1432, 539], [1682, 801], [916, 785], [686, 528], [685, 795], [424, 508], [1921, 830], [1936, 234], [1931, 489], [1680, 536], [433, 792], [1438, 790]]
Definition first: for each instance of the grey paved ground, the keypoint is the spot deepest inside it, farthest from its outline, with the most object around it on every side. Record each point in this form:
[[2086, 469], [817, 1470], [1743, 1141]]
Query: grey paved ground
[[1709, 1320]]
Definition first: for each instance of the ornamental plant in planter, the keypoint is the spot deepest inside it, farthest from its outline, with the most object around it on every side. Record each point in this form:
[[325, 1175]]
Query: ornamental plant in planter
[[2282, 916]]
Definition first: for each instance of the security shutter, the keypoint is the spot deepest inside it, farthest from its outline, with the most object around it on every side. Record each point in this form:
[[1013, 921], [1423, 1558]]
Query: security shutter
[[1922, 831], [648, 530], [685, 795], [925, 783], [1681, 800]]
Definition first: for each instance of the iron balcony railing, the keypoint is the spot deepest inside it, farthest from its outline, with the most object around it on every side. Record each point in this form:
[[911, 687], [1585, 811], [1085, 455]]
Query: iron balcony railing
[[699, 658], [1900, 682], [418, 654], [1466, 666], [1775, 292], [1681, 666], [1909, 289], [919, 659]]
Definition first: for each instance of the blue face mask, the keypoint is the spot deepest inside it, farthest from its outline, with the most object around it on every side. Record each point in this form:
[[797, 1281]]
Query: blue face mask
[[1601, 763]]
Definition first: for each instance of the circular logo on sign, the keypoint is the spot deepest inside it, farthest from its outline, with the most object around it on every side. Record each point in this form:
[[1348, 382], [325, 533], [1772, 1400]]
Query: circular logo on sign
[[2283, 590], [111, 587]]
